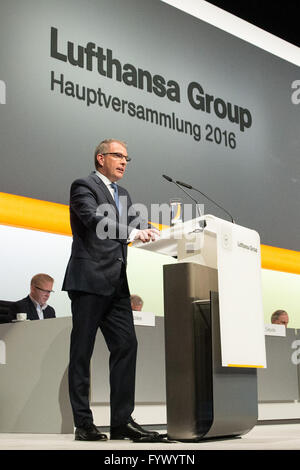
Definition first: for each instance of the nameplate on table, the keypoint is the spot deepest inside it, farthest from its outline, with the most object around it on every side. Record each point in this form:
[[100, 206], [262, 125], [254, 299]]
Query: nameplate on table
[[275, 330], [143, 318]]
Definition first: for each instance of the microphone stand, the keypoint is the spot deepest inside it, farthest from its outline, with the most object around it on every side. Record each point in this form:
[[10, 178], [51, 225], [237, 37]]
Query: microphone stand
[[202, 224], [211, 200]]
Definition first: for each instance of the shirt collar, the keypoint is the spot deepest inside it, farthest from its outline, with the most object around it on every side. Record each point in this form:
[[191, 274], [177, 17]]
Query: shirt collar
[[37, 304], [104, 178]]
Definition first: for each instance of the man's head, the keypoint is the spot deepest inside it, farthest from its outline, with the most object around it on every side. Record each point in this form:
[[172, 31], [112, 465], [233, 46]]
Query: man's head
[[136, 303], [41, 287], [280, 317], [111, 159]]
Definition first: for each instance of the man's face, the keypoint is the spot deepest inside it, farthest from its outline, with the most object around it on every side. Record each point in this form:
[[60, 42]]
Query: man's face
[[136, 308], [282, 320], [40, 291], [112, 166]]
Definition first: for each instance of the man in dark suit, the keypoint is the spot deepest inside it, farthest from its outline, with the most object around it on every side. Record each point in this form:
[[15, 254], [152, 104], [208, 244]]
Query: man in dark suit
[[35, 304], [97, 286]]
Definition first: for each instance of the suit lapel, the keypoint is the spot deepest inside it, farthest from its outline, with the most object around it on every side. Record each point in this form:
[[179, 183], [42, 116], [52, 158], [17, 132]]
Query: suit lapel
[[46, 312], [105, 191], [33, 311]]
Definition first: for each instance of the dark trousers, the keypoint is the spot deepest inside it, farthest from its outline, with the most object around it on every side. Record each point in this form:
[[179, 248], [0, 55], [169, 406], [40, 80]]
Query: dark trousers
[[113, 315]]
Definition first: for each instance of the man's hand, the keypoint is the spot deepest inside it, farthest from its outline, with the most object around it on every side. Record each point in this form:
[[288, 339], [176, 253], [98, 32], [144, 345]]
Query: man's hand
[[147, 235]]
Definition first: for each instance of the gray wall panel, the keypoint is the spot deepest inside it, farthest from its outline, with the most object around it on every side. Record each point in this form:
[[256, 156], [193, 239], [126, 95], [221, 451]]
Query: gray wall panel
[[48, 138], [150, 368], [279, 381]]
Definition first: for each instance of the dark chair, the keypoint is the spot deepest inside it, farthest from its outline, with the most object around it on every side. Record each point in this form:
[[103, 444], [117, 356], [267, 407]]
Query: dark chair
[[5, 313]]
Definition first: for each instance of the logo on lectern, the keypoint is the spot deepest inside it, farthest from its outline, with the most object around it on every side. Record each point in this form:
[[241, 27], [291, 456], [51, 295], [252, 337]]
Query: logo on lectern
[[2, 92], [247, 247]]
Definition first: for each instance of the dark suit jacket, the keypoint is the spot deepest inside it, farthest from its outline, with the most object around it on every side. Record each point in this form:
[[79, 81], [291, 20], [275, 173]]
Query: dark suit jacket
[[27, 306], [96, 260], [5, 312]]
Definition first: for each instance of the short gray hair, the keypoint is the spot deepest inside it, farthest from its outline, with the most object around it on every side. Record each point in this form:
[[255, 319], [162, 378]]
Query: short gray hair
[[41, 277], [136, 300], [277, 314]]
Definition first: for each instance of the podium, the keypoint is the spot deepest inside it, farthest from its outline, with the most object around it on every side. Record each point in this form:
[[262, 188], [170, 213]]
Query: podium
[[214, 328]]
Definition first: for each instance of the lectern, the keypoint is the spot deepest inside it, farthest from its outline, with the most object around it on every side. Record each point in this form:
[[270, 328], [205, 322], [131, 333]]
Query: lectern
[[214, 329]]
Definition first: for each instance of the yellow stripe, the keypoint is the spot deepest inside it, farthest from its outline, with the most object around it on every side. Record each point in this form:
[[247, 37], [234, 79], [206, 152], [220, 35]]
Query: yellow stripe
[[245, 365], [280, 259], [34, 214], [178, 213], [19, 211], [159, 226]]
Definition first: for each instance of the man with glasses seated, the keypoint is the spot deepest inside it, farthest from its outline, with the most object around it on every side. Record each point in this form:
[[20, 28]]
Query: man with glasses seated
[[35, 304]]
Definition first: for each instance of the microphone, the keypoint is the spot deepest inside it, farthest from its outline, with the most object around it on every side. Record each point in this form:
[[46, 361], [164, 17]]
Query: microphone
[[188, 186], [168, 178]]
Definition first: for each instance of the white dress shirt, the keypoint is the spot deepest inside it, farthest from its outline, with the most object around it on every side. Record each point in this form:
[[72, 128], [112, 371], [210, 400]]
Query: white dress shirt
[[39, 308], [107, 183]]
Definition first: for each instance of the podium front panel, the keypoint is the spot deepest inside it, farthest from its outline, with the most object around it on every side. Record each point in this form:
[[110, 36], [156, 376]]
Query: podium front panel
[[204, 399]]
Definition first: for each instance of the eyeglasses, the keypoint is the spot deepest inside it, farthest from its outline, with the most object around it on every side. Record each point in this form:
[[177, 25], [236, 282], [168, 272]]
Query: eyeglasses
[[44, 290], [120, 156]]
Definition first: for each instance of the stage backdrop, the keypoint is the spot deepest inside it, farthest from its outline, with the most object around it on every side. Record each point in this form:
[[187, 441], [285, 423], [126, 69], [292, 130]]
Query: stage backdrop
[[192, 101]]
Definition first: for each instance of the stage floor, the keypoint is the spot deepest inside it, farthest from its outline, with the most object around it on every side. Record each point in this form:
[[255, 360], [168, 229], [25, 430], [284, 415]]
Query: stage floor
[[261, 437]]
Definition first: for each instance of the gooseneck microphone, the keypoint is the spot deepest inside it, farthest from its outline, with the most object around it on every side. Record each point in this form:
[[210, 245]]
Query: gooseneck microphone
[[168, 178], [188, 186]]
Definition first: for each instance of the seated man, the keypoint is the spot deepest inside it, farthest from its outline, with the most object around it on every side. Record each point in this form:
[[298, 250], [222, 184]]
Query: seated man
[[280, 317], [35, 303], [136, 302]]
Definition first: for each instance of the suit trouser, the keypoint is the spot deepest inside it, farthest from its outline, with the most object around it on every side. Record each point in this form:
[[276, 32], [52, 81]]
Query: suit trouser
[[113, 315]]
